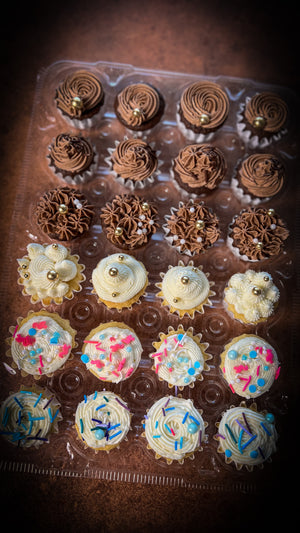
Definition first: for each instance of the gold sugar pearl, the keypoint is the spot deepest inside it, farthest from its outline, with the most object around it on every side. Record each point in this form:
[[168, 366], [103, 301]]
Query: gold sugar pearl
[[55, 246], [145, 206], [114, 294], [266, 278], [200, 224], [175, 300], [24, 266], [113, 271], [63, 209], [259, 123], [26, 275], [121, 257], [52, 275], [185, 280], [204, 119], [118, 231], [259, 246], [136, 112], [77, 103], [256, 290], [271, 211]]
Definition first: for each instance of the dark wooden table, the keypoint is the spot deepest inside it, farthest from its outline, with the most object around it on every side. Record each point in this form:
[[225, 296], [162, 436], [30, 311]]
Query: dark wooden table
[[214, 37]]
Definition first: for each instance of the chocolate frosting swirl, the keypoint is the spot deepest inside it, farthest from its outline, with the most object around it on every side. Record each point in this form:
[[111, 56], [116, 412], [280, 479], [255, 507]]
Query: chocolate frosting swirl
[[190, 235], [270, 107], [64, 213], [134, 159], [259, 233], [83, 85], [262, 175], [71, 154], [138, 103], [204, 98], [200, 165], [134, 216]]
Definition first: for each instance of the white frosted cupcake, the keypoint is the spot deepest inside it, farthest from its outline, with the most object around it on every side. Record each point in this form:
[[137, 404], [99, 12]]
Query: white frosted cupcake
[[185, 289], [49, 273], [119, 280], [29, 417], [112, 352], [246, 437], [249, 365], [102, 421], [180, 357], [41, 343]]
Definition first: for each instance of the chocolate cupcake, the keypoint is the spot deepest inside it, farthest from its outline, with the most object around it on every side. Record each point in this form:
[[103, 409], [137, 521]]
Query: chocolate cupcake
[[199, 168], [259, 177], [202, 110], [139, 106], [72, 158], [191, 228], [64, 213], [129, 221], [262, 119], [133, 162], [256, 234], [79, 98]]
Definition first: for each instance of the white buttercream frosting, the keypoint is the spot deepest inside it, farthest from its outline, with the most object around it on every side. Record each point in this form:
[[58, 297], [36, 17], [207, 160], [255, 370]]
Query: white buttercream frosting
[[112, 353], [252, 294], [174, 428], [185, 295], [250, 365], [246, 437], [102, 420]]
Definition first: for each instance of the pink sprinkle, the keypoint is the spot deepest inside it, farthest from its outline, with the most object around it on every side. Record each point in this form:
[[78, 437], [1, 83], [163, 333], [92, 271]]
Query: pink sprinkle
[[26, 341], [16, 329], [112, 339], [41, 360], [224, 369], [277, 372], [116, 347], [40, 370], [232, 389], [247, 383], [270, 356], [64, 350], [110, 355], [240, 368], [98, 363], [115, 373], [91, 342], [129, 372], [40, 325], [172, 431], [156, 368], [170, 369], [156, 354], [260, 350], [257, 370], [128, 339], [165, 352], [122, 363]]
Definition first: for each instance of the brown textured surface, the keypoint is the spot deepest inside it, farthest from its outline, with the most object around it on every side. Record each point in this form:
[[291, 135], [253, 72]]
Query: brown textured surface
[[186, 36]]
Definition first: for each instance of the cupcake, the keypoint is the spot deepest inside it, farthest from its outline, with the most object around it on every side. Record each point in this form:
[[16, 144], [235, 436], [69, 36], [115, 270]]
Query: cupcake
[[199, 168], [251, 297], [258, 178], [191, 228], [246, 437], [129, 221], [29, 417], [112, 352], [249, 365], [133, 162], [180, 357], [102, 421], [79, 98], [185, 289], [41, 343], [64, 213], [72, 158], [49, 273], [256, 234], [202, 110], [174, 429], [139, 106], [262, 119], [119, 281]]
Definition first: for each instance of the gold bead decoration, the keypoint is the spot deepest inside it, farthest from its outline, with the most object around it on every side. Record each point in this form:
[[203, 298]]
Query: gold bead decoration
[[77, 103], [200, 224], [259, 123], [121, 257], [113, 271], [118, 231], [259, 246], [63, 209], [52, 275], [185, 280], [175, 300], [266, 278], [256, 291], [24, 266], [204, 119], [145, 206], [114, 294], [271, 211], [136, 112], [26, 275], [55, 246]]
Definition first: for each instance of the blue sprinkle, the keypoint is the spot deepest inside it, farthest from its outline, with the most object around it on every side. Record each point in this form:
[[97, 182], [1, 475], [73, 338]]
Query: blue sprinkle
[[186, 380], [197, 364], [31, 332], [85, 358], [266, 368], [128, 349], [252, 388], [179, 359], [102, 336], [244, 357], [260, 382], [232, 354], [180, 337], [228, 453], [32, 361], [32, 353], [191, 371], [253, 354], [253, 454]]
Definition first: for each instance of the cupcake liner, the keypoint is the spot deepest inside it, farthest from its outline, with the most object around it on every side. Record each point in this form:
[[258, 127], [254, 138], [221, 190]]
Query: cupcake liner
[[164, 369], [64, 351], [252, 140], [82, 177], [81, 124], [189, 134], [126, 182]]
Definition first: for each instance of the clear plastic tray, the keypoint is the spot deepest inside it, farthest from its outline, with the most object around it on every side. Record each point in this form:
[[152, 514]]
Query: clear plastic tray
[[65, 455]]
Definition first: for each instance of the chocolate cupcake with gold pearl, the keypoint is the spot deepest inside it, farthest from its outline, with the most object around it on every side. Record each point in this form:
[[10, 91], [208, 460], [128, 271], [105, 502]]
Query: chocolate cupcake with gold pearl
[[49, 273], [79, 98], [129, 221], [185, 289], [202, 110], [262, 119], [72, 158], [139, 106]]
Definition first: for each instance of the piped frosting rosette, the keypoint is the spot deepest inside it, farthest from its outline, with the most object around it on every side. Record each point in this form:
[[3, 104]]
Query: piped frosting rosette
[[251, 297], [28, 417], [174, 429], [49, 273], [41, 343], [139, 106], [185, 289], [249, 365], [246, 437], [72, 158], [112, 352], [261, 119], [134, 162], [102, 421], [119, 280], [180, 357]]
